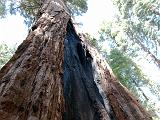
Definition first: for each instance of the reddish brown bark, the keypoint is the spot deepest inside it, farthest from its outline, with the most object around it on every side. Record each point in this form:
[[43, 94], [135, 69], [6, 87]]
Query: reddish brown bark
[[31, 83]]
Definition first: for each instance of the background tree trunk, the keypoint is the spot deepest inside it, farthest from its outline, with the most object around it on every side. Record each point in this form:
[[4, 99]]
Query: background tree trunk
[[55, 75]]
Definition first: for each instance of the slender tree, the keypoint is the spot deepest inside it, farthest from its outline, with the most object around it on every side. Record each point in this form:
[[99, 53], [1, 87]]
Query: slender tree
[[55, 75]]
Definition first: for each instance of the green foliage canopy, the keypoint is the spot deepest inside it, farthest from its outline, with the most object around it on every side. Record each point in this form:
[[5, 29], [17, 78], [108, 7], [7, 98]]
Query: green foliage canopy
[[126, 70], [134, 32], [6, 53], [135, 27]]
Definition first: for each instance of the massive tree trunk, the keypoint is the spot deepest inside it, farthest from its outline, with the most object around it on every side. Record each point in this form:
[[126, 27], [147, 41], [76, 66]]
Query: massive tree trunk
[[55, 75]]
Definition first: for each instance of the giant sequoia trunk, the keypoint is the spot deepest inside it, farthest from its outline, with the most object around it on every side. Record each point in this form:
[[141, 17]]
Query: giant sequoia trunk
[[55, 75]]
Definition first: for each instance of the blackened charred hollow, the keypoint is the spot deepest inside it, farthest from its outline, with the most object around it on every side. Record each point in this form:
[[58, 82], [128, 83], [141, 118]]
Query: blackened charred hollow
[[82, 97]]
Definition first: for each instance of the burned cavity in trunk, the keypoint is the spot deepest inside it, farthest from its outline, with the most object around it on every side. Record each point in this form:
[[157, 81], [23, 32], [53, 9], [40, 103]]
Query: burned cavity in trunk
[[82, 98]]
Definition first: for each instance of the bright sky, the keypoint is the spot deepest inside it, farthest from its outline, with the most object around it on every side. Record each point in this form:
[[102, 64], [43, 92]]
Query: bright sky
[[12, 30], [98, 11]]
